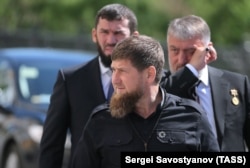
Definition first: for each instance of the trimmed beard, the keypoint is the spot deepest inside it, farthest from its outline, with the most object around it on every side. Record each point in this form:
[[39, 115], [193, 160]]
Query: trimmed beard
[[106, 59], [123, 104]]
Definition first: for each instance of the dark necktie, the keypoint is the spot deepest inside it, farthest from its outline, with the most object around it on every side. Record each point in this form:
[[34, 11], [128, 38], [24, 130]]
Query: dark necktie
[[193, 92], [110, 91], [197, 96]]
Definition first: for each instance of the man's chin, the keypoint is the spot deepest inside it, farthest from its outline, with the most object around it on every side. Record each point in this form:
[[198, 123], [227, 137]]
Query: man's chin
[[174, 70], [120, 92], [123, 103], [108, 53]]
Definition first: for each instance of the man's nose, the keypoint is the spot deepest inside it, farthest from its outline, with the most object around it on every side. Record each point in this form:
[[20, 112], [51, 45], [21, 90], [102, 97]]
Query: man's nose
[[115, 77], [111, 39]]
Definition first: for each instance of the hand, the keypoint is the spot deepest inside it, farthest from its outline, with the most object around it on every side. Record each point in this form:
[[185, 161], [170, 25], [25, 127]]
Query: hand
[[201, 56]]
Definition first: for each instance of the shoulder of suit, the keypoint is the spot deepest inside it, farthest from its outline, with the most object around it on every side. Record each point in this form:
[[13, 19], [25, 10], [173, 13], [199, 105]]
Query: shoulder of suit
[[77, 69], [218, 70], [100, 108]]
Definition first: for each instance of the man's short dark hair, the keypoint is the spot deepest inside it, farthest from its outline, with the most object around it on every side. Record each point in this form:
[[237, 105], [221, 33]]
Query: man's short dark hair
[[142, 51], [117, 12]]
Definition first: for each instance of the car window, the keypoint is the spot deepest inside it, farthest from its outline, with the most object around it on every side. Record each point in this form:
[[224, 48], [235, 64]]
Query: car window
[[7, 87], [36, 82]]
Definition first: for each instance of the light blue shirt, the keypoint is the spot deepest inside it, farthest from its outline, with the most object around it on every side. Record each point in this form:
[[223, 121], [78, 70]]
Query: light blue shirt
[[106, 75], [203, 92]]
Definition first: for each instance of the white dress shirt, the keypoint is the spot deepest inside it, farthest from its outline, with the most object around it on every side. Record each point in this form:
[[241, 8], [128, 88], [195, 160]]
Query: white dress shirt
[[203, 92], [106, 75]]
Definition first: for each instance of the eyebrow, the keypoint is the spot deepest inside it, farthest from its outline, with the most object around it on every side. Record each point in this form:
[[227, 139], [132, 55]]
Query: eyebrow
[[171, 46], [189, 48]]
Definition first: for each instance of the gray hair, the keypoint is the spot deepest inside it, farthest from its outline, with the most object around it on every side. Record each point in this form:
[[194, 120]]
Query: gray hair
[[189, 27]]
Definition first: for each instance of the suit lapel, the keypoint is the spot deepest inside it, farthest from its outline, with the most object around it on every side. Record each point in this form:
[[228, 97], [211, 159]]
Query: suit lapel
[[219, 89], [95, 84]]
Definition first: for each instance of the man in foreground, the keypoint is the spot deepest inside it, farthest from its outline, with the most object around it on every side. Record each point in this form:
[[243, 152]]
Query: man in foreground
[[141, 115]]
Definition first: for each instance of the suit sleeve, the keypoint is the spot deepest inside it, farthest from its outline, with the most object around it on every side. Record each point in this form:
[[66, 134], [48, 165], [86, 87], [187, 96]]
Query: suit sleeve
[[247, 123], [181, 83], [55, 127]]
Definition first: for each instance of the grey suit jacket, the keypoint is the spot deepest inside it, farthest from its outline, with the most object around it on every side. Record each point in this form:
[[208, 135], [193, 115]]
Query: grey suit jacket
[[232, 117]]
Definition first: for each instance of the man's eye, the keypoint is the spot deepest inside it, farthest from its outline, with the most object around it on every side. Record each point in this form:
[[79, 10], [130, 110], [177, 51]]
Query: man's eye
[[174, 50], [119, 33], [191, 51]]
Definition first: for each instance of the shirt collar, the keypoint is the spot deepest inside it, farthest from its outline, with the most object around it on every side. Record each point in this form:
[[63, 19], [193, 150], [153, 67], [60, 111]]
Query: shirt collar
[[203, 75], [103, 68]]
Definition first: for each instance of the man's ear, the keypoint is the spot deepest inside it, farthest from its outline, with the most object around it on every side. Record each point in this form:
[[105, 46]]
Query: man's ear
[[151, 73], [94, 37], [212, 54], [136, 33]]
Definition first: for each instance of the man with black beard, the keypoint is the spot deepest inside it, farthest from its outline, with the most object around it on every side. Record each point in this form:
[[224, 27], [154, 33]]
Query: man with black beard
[[78, 90], [142, 116]]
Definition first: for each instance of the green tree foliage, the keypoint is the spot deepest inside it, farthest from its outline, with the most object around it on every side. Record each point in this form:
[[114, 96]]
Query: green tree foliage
[[72, 17], [229, 20]]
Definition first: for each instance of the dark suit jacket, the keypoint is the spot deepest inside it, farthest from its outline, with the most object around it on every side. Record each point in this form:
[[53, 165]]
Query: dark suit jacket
[[76, 92], [232, 119]]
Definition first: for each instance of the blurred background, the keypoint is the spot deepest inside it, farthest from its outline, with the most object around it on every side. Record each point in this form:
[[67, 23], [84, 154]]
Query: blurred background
[[67, 24]]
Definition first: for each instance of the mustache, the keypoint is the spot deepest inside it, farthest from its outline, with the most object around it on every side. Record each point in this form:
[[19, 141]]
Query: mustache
[[111, 45]]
